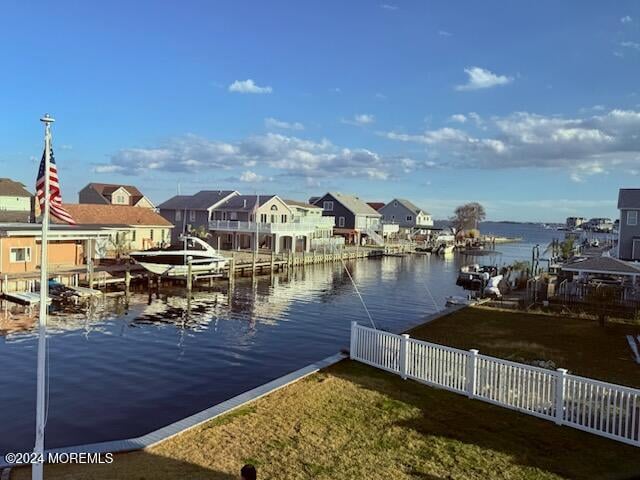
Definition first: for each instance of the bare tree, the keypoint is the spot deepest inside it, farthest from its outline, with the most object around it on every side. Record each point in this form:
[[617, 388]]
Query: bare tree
[[467, 216]]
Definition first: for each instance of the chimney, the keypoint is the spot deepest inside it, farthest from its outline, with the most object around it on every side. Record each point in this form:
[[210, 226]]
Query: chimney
[[244, 203]]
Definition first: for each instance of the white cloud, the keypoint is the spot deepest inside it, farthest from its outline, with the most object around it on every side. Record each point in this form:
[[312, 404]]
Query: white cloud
[[388, 6], [248, 86], [626, 19], [360, 119], [251, 177], [584, 146], [458, 117], [630, 45], [275, 123], [444, 33], [108, 169], [480, 78], [269, 154]]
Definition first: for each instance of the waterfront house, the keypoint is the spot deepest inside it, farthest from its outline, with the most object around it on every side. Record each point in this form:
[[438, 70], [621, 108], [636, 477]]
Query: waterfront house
[[235, 223], [355, 219], [307, 214], [406, 214], [112, 194], [20, 247], [574, 222], [16, 203], [129, 228], [629, 229], [190, 212], [599, 225]]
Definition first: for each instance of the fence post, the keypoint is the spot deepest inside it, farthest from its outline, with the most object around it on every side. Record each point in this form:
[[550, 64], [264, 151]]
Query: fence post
[[404, 355], [560, 378], [353, 340], [472, 363]]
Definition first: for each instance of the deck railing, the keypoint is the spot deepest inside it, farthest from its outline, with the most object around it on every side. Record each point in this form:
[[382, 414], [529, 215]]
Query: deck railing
[[605, 409]]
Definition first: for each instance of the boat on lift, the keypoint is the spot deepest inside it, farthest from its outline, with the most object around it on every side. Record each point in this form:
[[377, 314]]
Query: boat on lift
[[174, 260]]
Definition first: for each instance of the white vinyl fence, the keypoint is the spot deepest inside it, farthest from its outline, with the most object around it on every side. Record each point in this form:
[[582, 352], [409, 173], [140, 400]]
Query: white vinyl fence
[[609, 410]]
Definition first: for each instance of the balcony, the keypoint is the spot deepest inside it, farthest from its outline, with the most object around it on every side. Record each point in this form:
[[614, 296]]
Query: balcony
[[291, 228]]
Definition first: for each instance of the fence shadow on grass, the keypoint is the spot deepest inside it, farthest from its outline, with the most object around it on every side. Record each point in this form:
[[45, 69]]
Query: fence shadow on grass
[[141, 465], [527, 440]]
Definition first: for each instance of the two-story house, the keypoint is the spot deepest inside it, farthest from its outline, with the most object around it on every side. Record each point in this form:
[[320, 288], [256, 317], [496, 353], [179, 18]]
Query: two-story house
[[406, 214], [16, 203], [306, 214], [237, 222], [191, 212], [629, 229], [354, 218], [111, 194]]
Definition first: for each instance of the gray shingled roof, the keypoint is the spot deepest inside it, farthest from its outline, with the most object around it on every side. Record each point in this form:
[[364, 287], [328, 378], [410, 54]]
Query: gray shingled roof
[[603, 265], [202, 200], [244, 202], [629, 198], [410, 205], [11, 188], [354, 204]]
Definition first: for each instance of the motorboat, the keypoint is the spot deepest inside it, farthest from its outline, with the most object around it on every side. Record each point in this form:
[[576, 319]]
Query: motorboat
[[174, 260], [475, 277], [446, 249]]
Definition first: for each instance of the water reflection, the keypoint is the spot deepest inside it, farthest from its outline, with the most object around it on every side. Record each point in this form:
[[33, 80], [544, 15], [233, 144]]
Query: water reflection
[[123, 366]]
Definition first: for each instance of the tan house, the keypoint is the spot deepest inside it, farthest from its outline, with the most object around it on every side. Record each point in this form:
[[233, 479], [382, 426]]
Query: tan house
[[130, 228], [112, 194]]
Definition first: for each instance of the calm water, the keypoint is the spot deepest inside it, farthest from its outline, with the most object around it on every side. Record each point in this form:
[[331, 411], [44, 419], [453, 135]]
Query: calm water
[[120, 371]]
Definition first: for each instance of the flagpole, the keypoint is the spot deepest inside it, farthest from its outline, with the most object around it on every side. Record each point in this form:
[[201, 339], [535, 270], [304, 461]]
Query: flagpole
[[37, 468]]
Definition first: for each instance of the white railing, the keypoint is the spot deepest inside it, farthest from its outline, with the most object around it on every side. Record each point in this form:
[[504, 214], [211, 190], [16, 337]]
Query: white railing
[[605, 409], [374, 236], [250, 227]]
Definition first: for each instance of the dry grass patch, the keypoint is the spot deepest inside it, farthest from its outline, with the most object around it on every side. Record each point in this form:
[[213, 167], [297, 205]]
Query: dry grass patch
[[578, 344], [353, 421]]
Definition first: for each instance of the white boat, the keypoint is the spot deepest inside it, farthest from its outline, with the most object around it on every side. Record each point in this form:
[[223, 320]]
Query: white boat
[[446, 249], [174, 260]]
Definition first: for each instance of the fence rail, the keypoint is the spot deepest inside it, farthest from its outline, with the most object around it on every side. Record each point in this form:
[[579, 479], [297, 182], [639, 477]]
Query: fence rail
[[605, 409]]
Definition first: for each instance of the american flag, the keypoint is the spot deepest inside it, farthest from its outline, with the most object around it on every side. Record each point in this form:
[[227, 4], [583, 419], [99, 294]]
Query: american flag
[[55, 199]]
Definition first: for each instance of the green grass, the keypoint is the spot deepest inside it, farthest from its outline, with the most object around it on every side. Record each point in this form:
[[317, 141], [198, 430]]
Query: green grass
[[580, 345], [354, 421]]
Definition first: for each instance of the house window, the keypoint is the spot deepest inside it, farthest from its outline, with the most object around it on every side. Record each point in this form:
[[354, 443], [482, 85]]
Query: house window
[[178, 215], [163, 233], [192, 215], [151, 233], [263, 218], [395, 204], [133, 235], [20, 254], [283, 219], [328, 206], [274, 208], [233, 216], [632, 217], [224, 215], [341, 221], [409, 218]]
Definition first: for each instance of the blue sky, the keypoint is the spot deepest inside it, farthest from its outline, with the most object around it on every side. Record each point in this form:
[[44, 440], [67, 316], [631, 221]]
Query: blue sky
[[532, 108]]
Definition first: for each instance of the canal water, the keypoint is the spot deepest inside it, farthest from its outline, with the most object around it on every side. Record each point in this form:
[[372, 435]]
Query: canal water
[[121, 370]]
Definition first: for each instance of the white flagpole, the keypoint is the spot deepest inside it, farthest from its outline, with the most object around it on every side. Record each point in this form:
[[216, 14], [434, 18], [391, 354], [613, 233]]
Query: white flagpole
[[37, 468]]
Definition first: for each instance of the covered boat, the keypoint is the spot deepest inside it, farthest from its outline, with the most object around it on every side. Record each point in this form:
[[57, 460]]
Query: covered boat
[[174, 260]]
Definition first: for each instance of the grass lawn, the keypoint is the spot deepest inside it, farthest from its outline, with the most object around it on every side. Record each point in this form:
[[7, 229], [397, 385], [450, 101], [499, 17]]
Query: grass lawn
[[352, 421], [580, 345]]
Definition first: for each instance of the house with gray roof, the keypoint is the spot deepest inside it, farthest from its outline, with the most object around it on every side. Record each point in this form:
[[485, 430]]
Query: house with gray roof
[[629, 229], [237, 222], [405, 214], [113, 194], [16, 202], [189, 212], [354, 218]]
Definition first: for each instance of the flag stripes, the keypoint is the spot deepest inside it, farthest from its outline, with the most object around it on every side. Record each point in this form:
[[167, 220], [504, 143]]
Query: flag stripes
[[55, 198]]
